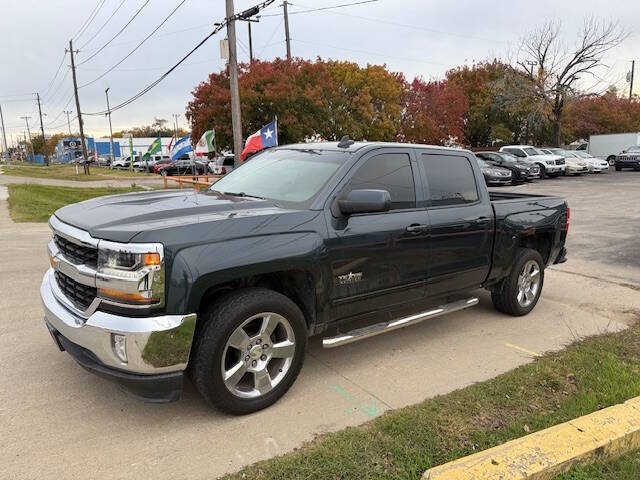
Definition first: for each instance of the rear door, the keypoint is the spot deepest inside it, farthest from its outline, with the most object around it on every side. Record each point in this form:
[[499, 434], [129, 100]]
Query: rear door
[[461, 223], [379, 260]]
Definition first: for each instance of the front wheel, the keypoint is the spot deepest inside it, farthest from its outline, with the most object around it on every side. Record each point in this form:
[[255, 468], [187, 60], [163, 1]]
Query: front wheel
[[612, 160], [250, 351], [520, 291]]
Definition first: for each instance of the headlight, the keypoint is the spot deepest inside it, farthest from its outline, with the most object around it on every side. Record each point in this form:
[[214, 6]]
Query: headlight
[[131, 274]]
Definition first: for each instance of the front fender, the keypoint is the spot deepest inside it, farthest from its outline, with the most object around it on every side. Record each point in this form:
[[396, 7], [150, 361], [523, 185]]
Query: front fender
[[198, 268]]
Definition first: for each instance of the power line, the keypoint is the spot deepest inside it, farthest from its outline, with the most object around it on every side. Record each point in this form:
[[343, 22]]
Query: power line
[[136, 47], [57, 89], [87, 22], [319, 9], [116, 35], [60, 114], [55, 76], [275, 30], [103, 25], [414, 27], [218, 27]]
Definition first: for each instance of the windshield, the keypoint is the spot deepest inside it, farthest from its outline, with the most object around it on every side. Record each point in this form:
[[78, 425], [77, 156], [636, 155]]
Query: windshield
[[633, 149], [582, 154], [286, 175], [482, 163], [508, 158], [532, 151]]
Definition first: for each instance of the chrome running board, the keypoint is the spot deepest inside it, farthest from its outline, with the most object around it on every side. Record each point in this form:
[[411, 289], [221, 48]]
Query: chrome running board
[[384, 327]]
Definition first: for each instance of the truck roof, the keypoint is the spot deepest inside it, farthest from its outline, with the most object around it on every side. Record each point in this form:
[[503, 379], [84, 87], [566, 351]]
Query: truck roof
[[355, 146]]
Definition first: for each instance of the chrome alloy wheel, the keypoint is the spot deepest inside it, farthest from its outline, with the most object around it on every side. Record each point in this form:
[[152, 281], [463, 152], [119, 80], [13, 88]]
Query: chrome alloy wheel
[[528, 283], [258, 355]]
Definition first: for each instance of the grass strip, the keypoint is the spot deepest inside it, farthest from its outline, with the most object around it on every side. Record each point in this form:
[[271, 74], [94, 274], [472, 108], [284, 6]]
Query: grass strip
[[68, 172], [625, 467], [587, 376], [36, 203]]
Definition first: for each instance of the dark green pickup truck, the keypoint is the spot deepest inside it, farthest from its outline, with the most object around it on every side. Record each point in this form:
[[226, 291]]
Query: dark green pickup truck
[[344, 240]]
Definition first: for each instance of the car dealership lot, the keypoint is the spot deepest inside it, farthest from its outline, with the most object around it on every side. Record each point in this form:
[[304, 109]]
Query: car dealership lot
[[60, 421]]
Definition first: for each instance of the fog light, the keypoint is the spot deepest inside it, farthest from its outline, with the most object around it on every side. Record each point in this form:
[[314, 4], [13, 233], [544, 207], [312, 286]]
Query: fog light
[[119, 345]]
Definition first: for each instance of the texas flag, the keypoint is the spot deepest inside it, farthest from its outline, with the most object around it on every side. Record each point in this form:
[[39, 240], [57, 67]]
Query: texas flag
[[266, 137]]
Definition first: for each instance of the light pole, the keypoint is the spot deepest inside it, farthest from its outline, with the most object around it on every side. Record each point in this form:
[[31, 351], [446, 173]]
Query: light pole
[[26, 119], [69, 112], [111, 149]]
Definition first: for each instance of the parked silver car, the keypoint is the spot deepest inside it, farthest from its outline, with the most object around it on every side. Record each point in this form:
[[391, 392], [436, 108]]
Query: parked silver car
[[595, 164], [574, 165]]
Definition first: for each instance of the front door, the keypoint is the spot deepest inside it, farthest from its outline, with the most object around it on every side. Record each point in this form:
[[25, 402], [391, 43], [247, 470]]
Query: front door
[[379, 260]]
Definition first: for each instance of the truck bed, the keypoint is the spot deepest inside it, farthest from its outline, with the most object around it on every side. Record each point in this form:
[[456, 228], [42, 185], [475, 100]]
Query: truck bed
[[510, 196]]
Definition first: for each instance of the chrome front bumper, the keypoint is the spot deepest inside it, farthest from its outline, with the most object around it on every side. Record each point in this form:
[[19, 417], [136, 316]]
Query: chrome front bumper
[[154, 345]]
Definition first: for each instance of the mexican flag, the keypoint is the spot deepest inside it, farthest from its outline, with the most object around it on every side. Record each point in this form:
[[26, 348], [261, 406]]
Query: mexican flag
[[207, 143], [155, 147]]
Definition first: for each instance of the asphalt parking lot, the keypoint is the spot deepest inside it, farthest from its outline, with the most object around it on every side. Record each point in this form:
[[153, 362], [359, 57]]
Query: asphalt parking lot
[[57, 421]]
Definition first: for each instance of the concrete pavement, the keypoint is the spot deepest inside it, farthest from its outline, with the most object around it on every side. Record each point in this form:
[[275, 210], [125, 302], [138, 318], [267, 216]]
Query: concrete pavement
[[57, 421]]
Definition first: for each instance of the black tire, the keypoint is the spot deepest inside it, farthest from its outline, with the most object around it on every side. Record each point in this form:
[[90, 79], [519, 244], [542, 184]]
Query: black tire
[[505, 297], [163, 173], [543, 172], [221, 319], [611, 159], [553, 175]]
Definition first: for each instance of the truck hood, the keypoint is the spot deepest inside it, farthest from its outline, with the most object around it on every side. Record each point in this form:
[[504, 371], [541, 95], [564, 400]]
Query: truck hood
[[121, 217], [547, 156]]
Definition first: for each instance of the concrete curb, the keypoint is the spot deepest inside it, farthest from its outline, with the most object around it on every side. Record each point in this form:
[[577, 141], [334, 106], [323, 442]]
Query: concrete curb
[[547, 453]]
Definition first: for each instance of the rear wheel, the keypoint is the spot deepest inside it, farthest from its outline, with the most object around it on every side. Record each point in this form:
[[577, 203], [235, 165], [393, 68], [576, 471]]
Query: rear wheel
[[518, 294], [250, 351], [612, 160]]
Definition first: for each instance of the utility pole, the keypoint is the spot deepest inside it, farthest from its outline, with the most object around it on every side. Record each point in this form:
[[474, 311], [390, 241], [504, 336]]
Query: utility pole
[[26, 119], [4, 133], [249, 21], [111, 149], [44, 141], [175, 123], [69, 112], [633, 67], [75, 92], [286, 28], [236, 121], [250, 43]]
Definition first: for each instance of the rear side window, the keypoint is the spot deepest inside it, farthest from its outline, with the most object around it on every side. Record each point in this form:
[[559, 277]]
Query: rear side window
[[387, 171], [451, 180]]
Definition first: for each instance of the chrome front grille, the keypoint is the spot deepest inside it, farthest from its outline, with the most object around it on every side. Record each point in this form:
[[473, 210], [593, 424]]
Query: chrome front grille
[[560, 162], [77, 293], [75, 253]]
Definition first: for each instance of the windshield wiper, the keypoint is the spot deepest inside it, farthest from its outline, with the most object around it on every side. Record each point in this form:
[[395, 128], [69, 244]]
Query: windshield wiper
[[241, 194]]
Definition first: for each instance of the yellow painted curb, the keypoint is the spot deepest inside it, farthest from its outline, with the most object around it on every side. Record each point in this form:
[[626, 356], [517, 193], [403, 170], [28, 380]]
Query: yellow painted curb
[[547, 453]]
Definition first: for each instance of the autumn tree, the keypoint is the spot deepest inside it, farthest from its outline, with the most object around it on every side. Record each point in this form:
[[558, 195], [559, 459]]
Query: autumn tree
[[558, 68], [321, 99], [484, 118], [434, 113], [596, 114]]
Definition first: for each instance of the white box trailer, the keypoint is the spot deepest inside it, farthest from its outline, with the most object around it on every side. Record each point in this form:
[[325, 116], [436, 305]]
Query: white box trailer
[[609, 145]]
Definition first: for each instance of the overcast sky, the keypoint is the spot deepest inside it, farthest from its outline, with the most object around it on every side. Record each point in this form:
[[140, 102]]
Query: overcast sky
[[415, 37]]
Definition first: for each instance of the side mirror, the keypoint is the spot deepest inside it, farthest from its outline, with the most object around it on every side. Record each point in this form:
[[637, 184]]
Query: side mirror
[[365, 201]]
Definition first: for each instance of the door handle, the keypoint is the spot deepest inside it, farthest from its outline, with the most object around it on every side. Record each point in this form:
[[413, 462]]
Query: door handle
[[483, 220], [416, 228]]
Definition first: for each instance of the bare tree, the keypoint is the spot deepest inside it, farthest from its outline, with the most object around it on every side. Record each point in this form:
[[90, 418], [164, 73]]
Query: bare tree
[[555, 68]]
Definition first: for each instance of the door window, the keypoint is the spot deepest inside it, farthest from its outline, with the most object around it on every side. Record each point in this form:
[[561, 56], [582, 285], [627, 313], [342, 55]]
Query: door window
[[387, 171], [451, 180]]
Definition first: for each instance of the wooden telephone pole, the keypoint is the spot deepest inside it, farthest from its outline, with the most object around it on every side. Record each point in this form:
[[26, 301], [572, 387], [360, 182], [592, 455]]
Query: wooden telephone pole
[[75, 92]]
